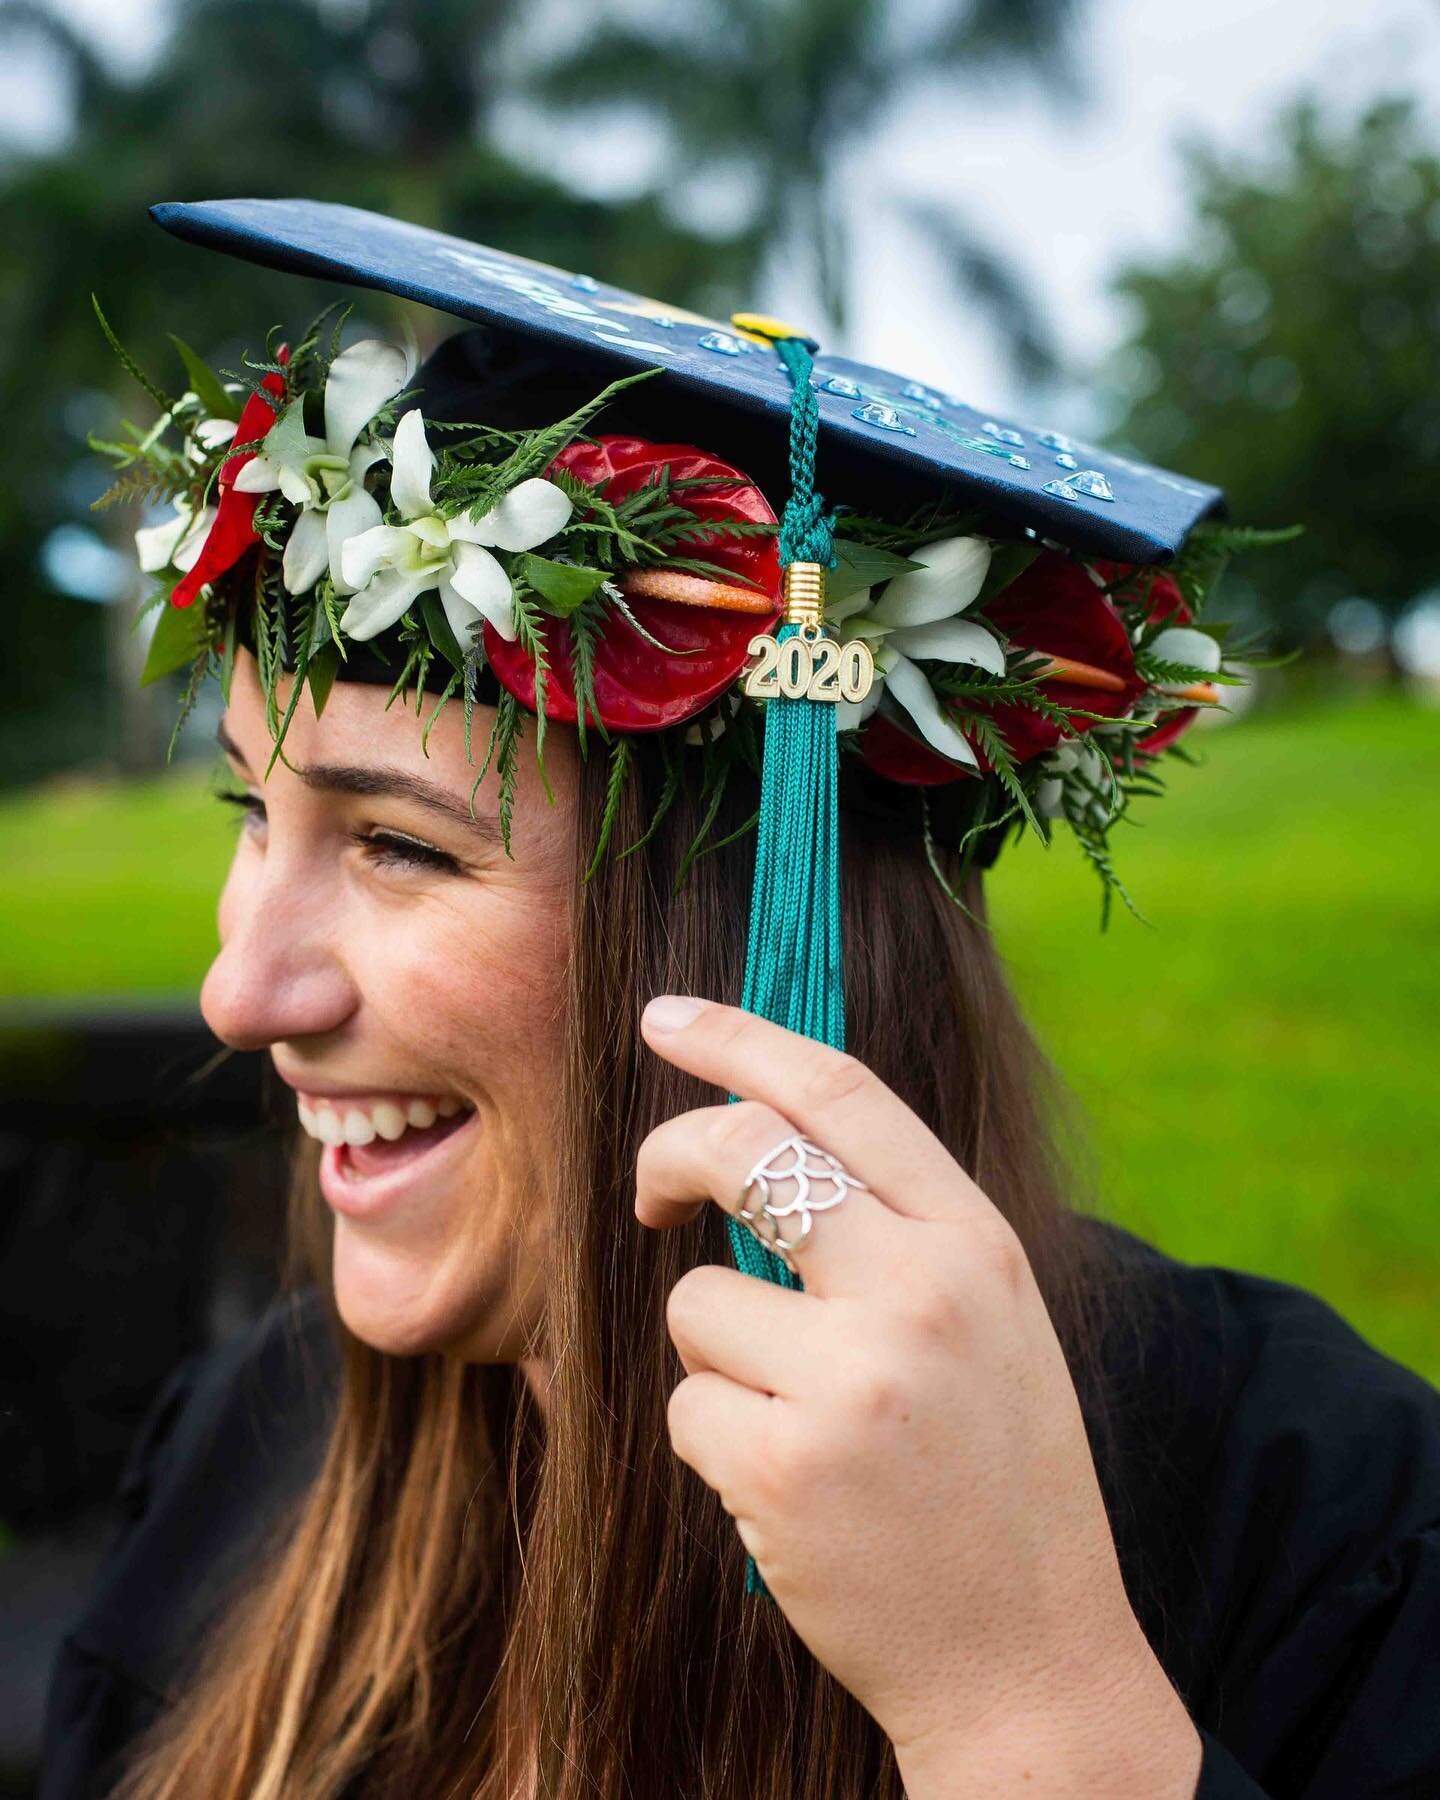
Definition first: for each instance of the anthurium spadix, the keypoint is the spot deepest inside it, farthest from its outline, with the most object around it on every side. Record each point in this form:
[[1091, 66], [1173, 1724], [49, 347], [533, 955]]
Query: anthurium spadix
[[917, 619], [325, 477], [389, 566]]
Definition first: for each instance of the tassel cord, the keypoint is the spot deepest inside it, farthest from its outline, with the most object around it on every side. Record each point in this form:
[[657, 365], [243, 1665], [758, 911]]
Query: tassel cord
[[793, 969]]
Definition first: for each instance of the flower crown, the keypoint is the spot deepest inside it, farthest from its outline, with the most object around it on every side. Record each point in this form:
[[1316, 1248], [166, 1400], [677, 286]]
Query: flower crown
[[622, 586]]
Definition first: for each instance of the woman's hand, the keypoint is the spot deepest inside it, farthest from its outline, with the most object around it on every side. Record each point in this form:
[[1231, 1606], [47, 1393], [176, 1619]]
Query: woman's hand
[[900, 1445]]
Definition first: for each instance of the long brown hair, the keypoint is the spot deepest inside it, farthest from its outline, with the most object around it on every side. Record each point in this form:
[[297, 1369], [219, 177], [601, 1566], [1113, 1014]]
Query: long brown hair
[[467, 1605]]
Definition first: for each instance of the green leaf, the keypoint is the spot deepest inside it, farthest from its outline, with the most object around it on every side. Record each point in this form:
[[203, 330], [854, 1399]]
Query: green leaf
[[621, 754], [874, 631], [562, 586], [180, 636], [323, 666], [587, 623], [207, 385], [441, 636], [128, 362], [861, 566], [1007, 563], [227, 656], [986, 735], [1233, 538], [287, 439]]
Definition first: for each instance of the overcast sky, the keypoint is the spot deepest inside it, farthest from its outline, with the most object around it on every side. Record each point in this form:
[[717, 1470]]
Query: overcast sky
[[1071, 195]]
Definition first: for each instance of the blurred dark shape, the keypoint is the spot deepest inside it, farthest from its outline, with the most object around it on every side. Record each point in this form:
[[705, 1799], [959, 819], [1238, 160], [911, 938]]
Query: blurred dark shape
[[1292, 349], [141, 1197]]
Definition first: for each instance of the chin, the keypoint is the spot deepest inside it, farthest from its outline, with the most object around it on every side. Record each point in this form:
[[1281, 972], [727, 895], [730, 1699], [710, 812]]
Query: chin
[[405, 1305]]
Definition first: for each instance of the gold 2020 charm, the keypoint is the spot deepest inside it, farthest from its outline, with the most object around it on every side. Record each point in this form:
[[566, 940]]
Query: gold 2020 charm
[[809, 665]]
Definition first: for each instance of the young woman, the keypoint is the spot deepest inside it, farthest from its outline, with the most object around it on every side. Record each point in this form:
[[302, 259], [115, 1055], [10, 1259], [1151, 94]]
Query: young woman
[[1032, 1509]]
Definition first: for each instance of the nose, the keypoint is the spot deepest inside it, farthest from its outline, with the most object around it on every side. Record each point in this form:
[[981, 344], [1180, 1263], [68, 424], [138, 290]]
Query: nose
[[280, 974]]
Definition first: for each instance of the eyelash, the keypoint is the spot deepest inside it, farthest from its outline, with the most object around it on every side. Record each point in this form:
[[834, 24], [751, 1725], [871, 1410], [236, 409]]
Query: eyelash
[[392, 849], [387, 849]]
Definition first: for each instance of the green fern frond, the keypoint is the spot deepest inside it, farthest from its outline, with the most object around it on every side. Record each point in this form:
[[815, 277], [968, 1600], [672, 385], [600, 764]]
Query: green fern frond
[[621, 759]]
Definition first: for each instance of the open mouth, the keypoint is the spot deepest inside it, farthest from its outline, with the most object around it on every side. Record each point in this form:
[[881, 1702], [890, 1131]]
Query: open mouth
[[368, 1138]]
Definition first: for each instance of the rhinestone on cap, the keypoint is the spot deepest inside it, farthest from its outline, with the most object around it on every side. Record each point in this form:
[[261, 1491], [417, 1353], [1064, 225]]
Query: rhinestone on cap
[[876, 412], [1089, 484]]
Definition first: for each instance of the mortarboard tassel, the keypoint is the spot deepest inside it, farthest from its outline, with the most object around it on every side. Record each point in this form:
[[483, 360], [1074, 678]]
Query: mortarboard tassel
[[793, 970]]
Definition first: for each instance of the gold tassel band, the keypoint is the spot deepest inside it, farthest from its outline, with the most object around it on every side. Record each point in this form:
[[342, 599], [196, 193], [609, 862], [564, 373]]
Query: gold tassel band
[[805, 595]]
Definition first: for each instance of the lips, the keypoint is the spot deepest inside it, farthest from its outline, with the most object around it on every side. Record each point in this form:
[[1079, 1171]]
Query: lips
[[382, 1148]]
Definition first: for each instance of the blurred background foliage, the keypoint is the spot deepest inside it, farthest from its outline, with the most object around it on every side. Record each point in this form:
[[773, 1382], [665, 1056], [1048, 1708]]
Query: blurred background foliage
[[1290, 351]]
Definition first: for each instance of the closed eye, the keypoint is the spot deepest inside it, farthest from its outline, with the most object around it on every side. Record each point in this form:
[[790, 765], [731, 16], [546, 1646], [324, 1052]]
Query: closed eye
[[387, 849], [397, 850]]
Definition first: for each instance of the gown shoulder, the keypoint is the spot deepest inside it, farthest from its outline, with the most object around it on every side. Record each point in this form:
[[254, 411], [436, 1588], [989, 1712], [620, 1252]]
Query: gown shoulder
[[232, 1437], [1276, 1494]]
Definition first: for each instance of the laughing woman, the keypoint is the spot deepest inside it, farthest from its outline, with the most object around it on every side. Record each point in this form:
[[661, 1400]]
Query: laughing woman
[[529, 1489]]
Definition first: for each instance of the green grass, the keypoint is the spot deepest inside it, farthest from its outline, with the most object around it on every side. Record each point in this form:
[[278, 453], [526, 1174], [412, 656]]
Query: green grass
[[1257, 1070], [110, 889]]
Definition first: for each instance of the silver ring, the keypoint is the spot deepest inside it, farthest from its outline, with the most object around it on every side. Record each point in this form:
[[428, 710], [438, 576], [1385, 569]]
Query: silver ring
[[821, 1182]]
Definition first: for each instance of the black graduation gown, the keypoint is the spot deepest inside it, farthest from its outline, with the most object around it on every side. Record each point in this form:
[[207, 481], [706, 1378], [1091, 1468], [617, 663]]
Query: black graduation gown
[[1275, 1487]]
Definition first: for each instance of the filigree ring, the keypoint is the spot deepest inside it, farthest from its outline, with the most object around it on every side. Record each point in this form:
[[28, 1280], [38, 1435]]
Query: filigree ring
[[819, 1181]]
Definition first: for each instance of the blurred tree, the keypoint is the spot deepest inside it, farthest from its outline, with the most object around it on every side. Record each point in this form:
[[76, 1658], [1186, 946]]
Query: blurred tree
[[385, 105], [1292, 353], [779, 97]]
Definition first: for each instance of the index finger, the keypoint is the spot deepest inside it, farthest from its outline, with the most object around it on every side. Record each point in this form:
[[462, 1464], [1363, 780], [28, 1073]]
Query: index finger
[[830, 1096]]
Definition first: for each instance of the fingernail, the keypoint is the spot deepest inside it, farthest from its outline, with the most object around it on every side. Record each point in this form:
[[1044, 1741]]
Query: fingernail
[[671, 1012]]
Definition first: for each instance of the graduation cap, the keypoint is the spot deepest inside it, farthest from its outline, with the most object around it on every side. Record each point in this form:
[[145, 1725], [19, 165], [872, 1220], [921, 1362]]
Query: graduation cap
[[996, 625], [869, 419]]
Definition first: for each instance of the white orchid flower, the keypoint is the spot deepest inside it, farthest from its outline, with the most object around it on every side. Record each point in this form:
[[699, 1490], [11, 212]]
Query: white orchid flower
[[389, 566], [1181, 644], [210, 435], [325, 477], [917, 619], [174, 543]]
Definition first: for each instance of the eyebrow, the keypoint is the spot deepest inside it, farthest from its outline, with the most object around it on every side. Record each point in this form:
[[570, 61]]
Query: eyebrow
[[375, 783]]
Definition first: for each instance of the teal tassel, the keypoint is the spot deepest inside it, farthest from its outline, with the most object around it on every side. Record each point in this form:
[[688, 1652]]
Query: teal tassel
[[793, 969]]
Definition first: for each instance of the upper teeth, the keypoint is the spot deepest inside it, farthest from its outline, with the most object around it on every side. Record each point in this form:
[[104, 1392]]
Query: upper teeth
[[362, 1121]]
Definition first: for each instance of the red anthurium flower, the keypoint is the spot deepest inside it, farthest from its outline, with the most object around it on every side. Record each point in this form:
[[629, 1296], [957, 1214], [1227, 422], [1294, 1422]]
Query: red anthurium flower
[[637, 687], [897, 754], [1167, 603], [1056, 610], [233, 532], [1167, 607], [1172, 727]]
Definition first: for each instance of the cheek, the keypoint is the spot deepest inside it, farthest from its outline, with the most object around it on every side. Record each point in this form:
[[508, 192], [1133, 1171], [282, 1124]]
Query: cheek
[[487, 989], [479, 1002]]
